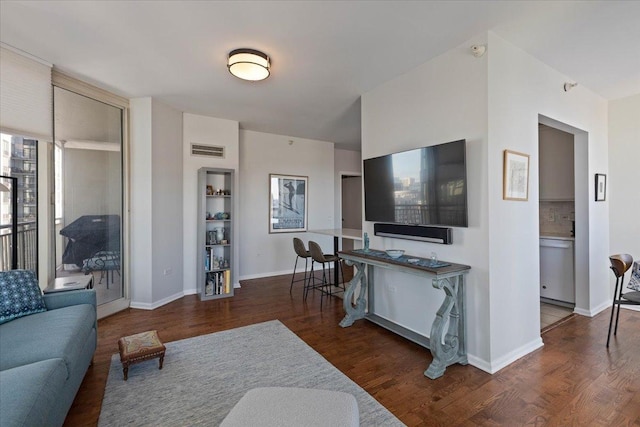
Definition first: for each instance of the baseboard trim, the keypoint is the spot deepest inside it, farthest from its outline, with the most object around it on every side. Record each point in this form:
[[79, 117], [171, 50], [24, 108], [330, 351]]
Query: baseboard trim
[[267, 274], [502, 362], [154, 305], [276, 273], [479, 363], [593, 311]]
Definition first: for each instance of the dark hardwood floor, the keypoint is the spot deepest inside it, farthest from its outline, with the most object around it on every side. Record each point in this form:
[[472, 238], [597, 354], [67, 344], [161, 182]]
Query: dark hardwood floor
[[572, 380]]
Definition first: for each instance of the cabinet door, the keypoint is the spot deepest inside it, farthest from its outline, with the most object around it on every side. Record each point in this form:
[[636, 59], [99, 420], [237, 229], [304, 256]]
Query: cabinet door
[[556, 270], [556, 164]]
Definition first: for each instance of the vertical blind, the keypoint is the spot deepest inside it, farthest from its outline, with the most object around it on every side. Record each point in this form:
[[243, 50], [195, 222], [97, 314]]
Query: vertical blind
[[25, 96]]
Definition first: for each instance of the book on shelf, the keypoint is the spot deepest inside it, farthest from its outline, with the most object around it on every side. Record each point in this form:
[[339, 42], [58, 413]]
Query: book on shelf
[[227, 281], [218, 282]]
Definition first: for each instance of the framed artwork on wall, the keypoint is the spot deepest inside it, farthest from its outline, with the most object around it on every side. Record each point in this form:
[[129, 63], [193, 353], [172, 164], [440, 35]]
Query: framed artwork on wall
[[287, 203], [515, 177], [601, 187]]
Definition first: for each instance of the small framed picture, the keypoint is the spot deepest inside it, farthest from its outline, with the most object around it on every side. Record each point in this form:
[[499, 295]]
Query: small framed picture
[[209, 190], [601, 187], [515, 177]]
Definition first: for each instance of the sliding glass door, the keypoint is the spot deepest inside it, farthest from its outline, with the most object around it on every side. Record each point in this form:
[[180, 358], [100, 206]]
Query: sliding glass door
[[88, 165]]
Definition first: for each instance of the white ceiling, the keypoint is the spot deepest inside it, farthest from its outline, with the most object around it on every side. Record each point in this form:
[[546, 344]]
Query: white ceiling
[[324, 54]]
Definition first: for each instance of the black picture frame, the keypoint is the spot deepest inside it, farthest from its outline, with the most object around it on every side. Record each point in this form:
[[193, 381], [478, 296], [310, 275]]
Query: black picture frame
[[288, 203], [601, 187]]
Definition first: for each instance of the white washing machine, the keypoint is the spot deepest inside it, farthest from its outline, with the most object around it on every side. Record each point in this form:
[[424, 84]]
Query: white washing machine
[[556, 270]]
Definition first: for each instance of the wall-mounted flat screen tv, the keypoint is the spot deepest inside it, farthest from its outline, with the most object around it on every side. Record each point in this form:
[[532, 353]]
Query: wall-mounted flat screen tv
[[424, 186]]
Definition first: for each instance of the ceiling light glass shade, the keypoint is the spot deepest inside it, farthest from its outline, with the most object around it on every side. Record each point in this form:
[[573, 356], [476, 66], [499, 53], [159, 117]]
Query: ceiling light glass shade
[[249, 64]]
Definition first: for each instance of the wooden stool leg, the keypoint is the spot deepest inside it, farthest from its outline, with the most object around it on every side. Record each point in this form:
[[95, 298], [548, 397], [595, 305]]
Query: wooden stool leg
[[125, 370], [161, 360]]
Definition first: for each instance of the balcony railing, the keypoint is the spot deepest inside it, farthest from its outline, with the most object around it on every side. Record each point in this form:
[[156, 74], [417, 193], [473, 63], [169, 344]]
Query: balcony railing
[[27, 246], [421, 214]]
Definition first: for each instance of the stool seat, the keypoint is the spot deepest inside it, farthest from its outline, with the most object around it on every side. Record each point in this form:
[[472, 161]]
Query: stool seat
[[294, 407], [138, 348]]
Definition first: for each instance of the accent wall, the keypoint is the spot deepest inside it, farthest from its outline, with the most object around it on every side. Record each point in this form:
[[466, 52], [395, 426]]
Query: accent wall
[[262, 253]]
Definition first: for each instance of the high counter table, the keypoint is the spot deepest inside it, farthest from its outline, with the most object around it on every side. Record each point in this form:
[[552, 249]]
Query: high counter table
[[447, 346], [339, 233]]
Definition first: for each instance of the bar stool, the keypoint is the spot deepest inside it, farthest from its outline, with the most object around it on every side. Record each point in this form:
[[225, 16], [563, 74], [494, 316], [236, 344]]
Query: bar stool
[[301, 252], [318, 256], [619, 265]]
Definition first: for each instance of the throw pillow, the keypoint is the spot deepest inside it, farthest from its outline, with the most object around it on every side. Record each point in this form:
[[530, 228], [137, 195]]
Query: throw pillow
[[634, 281], [20, 295]]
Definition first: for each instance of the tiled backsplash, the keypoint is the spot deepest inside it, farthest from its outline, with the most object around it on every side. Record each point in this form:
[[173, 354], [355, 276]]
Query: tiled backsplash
[[556, 217]]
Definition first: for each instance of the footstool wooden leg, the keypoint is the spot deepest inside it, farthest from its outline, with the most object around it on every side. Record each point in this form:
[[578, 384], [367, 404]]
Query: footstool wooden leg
[[138, 348]]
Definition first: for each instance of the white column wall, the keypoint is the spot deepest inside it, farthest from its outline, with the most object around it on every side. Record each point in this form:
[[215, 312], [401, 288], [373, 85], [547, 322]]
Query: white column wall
[[263, 254], [494, 102], [210, 131], [520, 89], [141, 238], [166, 213], [156, 216]]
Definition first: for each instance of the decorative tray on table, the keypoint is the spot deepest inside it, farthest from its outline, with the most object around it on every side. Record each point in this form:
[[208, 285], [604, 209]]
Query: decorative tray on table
[[421, 262]]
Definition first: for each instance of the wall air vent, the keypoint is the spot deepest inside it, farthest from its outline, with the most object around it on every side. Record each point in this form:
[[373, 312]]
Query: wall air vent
[[207, 150]]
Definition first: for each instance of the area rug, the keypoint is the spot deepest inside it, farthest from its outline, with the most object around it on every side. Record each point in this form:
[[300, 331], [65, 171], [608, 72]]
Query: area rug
[[204, 377]]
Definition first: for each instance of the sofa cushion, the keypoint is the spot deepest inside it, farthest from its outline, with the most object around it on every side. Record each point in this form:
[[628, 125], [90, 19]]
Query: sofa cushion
[[29, 392], [60, 333], [20, 295]]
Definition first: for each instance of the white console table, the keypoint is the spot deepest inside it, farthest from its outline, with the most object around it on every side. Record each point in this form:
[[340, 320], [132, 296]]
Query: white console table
[[447, 346]]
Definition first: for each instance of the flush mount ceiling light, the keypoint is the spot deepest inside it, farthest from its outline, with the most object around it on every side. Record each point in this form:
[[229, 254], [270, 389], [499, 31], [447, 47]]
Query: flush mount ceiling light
[[249, 64]]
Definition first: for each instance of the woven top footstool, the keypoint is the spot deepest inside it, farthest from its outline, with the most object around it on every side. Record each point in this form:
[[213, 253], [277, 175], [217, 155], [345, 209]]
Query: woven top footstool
[[294, 407], [140, 347]]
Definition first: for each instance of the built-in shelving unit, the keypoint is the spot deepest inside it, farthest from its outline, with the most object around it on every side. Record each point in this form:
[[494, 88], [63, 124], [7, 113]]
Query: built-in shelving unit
[[215, 233]]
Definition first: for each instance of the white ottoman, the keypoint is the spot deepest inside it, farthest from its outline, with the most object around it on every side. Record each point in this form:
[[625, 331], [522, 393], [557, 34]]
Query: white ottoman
[[284, 406]]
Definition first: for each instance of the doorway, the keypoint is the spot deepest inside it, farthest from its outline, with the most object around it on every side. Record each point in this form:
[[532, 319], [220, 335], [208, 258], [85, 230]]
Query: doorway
[[351, 211], [563, 221]]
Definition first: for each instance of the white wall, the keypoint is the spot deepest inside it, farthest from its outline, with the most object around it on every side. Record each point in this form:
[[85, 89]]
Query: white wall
[[263, 254], [166, 219], [441, 101], [209, 131], [623, 181], [520, 89], [156, 221]]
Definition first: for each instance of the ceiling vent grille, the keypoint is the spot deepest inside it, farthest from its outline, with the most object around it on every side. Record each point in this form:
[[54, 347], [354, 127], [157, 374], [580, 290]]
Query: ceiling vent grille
[[207, 151]]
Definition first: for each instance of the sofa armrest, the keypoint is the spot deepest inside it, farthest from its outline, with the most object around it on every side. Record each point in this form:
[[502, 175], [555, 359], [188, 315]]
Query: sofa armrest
[[64, 299]]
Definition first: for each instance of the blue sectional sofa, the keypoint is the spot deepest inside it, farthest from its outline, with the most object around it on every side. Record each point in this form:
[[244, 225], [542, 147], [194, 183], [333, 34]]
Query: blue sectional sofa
[[44, 357]]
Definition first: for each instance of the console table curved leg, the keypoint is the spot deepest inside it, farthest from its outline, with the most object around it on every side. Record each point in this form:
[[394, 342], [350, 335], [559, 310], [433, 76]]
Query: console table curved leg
[[448, 347], [355, 312]]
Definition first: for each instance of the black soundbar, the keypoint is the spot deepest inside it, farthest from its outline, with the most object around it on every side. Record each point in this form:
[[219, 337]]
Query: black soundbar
[[422, 233]]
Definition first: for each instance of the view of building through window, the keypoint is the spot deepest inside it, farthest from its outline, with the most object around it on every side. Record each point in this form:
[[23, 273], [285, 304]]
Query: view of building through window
[[18, 160]]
